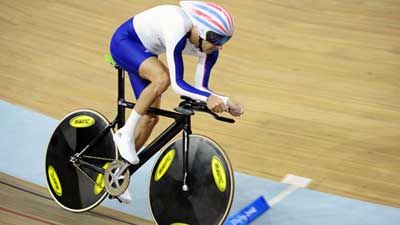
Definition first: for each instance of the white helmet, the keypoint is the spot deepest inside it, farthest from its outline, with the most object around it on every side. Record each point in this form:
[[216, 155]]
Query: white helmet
[[213, 22]]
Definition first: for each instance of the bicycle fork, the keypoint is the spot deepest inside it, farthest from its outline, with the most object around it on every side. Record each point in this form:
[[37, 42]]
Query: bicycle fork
[[187, 130]]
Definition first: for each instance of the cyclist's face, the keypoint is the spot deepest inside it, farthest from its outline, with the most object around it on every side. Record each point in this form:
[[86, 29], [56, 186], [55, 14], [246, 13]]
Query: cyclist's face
[[209, 48]]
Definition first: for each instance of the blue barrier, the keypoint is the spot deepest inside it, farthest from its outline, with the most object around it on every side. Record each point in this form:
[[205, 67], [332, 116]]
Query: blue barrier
[[249, 212]]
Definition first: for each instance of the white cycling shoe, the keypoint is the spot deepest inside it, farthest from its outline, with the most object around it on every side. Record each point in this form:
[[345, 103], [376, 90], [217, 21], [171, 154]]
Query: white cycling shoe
[[126, 147], [125, 197]]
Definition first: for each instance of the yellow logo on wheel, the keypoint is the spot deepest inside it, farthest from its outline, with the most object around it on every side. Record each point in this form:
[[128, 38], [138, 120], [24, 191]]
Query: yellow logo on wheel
[[99, 186], [82, 121], [218, 172], [164, 165], [54, 181], [179, 224]]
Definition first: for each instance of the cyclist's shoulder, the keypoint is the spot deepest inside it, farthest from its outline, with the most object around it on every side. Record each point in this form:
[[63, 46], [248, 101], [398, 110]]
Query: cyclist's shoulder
[[165, 14]]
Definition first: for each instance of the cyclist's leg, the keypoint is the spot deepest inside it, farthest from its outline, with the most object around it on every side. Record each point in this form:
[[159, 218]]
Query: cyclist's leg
[[146, 126], [153, 70], [129, 53], [148, 84], [148, 121], [150, 80]]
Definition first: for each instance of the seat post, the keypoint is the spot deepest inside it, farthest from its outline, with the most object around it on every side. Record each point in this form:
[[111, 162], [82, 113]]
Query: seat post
[[121, 97]]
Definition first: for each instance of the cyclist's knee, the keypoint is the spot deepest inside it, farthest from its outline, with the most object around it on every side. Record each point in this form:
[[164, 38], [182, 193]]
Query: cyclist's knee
[[157, 73], [150, 120], [162, 82]]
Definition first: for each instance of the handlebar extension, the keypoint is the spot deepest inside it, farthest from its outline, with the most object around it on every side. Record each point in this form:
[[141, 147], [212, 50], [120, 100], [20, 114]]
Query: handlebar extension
[[188, 106]]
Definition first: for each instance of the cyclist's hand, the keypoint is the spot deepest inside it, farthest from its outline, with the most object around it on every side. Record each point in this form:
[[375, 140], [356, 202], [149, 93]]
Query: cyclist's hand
[[216, 104], [235, 108]]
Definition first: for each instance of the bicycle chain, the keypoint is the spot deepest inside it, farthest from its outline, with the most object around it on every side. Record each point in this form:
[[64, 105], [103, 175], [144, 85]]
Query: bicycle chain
[[92, 157], [99, 158], [87, 175]]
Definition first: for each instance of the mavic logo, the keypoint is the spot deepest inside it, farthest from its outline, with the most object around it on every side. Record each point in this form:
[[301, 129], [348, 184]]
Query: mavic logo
[[244, 217], [82, 121]]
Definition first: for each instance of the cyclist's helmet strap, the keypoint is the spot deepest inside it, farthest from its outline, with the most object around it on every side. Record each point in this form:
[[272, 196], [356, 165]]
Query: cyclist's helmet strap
[[201, 44], [213, 22]]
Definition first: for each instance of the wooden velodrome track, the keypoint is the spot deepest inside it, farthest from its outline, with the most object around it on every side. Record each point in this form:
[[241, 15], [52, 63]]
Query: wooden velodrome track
[[320, 81]]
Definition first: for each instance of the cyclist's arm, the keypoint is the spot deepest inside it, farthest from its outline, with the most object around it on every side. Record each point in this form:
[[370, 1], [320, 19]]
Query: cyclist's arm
[[203, 71], [174, 48]]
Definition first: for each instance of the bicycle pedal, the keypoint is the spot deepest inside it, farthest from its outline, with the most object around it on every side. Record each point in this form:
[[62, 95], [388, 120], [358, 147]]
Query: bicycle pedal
[[111, 197], [120, 201], [117, 177]]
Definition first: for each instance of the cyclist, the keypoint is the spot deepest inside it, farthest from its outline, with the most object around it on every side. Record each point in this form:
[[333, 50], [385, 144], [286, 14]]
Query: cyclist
[[195, 28]]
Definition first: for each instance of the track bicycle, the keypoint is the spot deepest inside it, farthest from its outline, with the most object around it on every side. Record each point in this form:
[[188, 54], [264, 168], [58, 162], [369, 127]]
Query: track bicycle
[[191, 182]]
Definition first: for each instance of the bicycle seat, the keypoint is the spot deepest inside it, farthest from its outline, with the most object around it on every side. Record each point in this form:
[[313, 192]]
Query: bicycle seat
[[110, 60]]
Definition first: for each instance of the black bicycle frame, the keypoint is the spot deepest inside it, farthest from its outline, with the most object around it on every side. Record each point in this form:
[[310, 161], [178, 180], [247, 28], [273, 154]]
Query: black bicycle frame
[[182, 122]]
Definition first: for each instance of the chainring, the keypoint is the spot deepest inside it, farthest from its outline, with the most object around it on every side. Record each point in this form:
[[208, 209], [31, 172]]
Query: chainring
[[116, 182]]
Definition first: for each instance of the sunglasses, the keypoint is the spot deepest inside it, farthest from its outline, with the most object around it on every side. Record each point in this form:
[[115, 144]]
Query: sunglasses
[[216, 39]]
